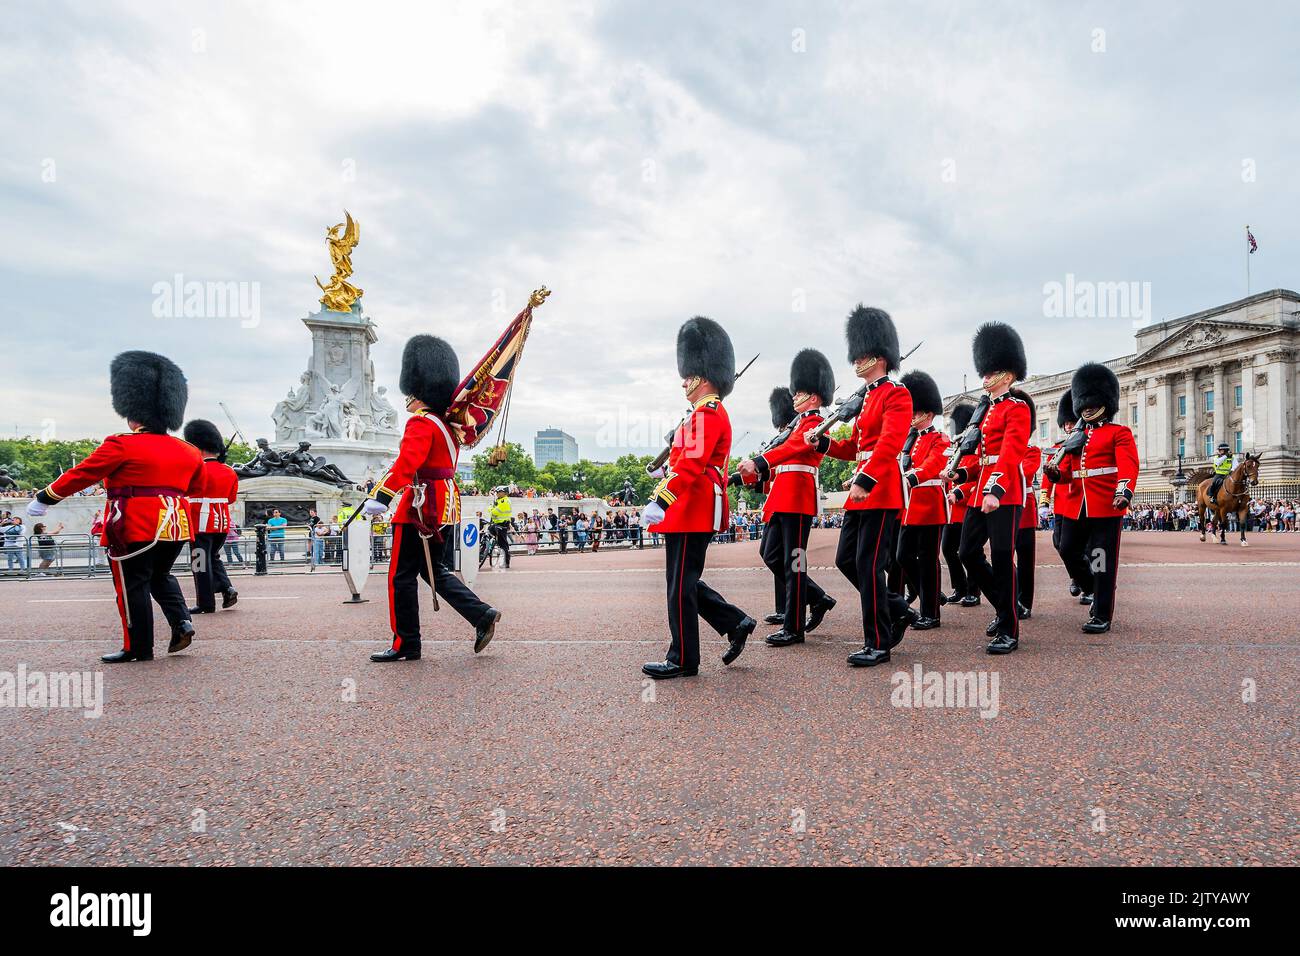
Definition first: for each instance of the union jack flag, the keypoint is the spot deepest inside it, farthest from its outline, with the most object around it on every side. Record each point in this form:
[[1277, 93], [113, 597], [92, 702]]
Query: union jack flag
[[484, 392], [1250, 241]]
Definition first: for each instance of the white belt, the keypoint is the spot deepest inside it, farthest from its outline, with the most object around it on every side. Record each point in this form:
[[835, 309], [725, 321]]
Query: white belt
[[718, 495], [205, 508], [932, 483], [864, 456], [1094, 472], [782, 469]]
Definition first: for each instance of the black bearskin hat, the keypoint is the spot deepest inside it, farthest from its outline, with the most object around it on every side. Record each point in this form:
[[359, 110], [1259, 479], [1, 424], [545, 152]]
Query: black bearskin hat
[[203, 435], [430, 372], [704, 350], [148, 389], [1065, 411], [997, 348], [781, 402], [1095, 386], [924, 392], [960, 417], [811, 372], [1024, 397], [872, 332]]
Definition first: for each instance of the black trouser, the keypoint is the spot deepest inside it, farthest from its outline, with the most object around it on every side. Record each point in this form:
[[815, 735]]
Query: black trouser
[[1058, 531], [952, 557], [769, 549], [997, 581], [208, 570], [145, 576], [863, 555], [1026, 548], [502, 533], [564, 541], [407, 566], [918, 557], [785, 552], [690, 599], [1090, 550]]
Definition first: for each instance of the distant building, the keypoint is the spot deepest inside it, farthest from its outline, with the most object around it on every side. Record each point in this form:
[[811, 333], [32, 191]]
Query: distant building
[[1228, 373], [551, 444]]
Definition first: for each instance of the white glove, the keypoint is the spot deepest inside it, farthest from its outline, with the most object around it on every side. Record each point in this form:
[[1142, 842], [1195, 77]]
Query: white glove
[[37, 508], [652, 514], [371, 507], [657, 473]]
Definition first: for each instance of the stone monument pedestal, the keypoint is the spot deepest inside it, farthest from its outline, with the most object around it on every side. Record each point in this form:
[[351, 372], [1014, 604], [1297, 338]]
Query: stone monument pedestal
[[291, 496], [356, 459]]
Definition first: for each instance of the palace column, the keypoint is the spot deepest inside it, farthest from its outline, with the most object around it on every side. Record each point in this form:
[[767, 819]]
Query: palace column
[[1195, 447], [1249, 436], [1280, 371], [1164, 447], [1220, 407]]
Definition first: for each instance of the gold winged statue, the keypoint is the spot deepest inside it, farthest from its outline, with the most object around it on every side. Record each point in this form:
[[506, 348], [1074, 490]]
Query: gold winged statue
[[340, 294]]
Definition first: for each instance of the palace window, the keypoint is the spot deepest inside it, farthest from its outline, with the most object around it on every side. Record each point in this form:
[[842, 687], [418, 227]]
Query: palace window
[[1133, 414], [1236, 396], [1182, 447], [1209, 400], [1042, 430], [1237, 439], [1182, 406], [1209, 446]]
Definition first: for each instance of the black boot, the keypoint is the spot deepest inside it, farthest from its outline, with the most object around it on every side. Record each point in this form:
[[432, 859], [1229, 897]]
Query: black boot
[[486, 629], [994, 626], [410, 652], [1085, 599], [783, 638], [1024, 612], [125, 657], [776, 617], [1002, 644], [1075, 590], [736, 639], [868, 657], [1095, 626], [818, 611], [925, 624], [899, 627], [229, 598], [970, 600], [662, 670], [182, 637], [203, 610]]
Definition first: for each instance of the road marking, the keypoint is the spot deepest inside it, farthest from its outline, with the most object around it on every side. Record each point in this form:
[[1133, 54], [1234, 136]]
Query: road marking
[[110, 600]]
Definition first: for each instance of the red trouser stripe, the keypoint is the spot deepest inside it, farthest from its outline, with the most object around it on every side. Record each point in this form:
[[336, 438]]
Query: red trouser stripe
[[115, 570], [392, 572]]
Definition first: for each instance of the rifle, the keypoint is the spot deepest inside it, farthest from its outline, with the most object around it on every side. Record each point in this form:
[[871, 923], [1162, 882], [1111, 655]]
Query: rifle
[[968, 440], [235, 431], [662, 457], [849, 409], [1073, 442], [905, 456], [779, 438]]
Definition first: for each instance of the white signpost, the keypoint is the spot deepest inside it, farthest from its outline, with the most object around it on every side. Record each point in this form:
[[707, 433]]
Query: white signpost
[[467, 543], [357, 558]]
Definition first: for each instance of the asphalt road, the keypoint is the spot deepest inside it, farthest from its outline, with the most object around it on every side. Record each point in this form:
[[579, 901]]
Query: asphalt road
[[274, 740]]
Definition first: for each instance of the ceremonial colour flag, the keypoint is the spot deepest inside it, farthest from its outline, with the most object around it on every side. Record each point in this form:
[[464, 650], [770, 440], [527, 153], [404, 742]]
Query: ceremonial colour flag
[[1250, 241], [484, 392]]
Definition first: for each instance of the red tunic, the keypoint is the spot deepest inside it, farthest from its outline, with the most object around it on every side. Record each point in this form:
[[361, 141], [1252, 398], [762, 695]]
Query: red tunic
[[210, 502], [928, 500], [425, 467], [963, 491], [1106, 466], [793, 466], [693, 493], [878, 436], [1028, 469], [148, 477], [1004, 441]]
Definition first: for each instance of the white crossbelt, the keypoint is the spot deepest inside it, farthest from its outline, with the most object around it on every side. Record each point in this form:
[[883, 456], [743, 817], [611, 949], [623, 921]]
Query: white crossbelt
[[782, 469], [1094, 472]]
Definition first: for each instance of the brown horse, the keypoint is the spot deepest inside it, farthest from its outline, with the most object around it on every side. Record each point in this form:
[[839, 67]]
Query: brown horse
[[1233, 496]]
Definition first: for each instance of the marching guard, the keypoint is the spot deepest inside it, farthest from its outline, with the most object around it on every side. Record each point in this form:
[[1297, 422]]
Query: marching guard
[[1102, 476], [875, 499], [147, 476], [1026, 541], [210, 519], [423, 482], [925, 457], [781, 404], [964, 594], [689, 505], [995, 485], [1053, 494], [792, 468]]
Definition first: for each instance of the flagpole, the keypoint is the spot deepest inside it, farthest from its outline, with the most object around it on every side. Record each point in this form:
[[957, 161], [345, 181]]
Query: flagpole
[[1248, 260]]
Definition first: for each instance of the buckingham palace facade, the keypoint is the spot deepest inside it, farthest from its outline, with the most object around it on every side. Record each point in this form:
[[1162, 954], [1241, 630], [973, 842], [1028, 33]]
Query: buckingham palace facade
[[1224, 374]]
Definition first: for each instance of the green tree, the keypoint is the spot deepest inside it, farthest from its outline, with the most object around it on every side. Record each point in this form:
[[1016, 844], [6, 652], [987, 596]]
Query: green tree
[[517, 469], [34, 464], [833, 471]]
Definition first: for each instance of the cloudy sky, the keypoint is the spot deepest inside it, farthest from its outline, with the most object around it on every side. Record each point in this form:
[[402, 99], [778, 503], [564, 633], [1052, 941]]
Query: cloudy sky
[[769, 165]]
